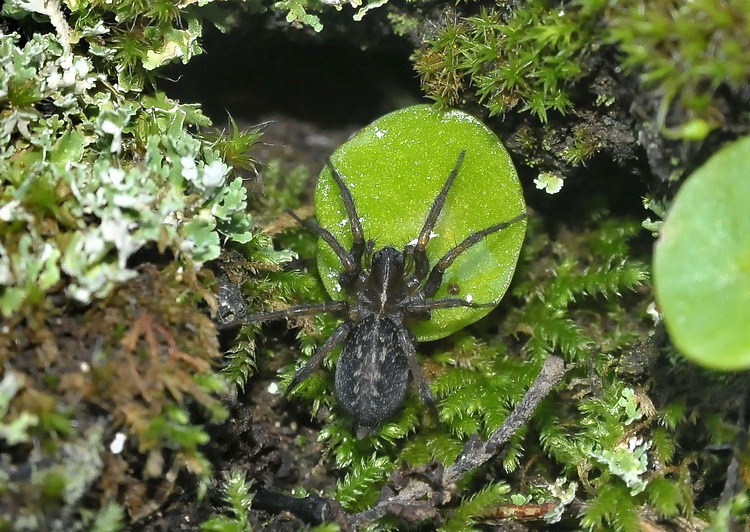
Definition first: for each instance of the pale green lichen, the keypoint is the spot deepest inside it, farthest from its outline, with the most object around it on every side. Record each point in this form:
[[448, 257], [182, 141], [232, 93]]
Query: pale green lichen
[[303, 12], [133, 166], [629, 462], [549, 182], [564, 493], [13, 431]]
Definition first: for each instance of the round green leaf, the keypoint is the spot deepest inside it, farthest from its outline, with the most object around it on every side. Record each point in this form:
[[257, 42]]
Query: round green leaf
[[702, 262], [395, 167]]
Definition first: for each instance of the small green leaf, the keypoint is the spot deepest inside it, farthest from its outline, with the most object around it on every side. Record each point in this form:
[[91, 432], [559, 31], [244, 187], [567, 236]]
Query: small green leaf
[[178, 44], [395, 167], [202, 241], [69, 148], [702, 262]]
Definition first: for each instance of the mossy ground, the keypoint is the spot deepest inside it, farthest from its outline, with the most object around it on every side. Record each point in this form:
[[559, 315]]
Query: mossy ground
[[633, 438]]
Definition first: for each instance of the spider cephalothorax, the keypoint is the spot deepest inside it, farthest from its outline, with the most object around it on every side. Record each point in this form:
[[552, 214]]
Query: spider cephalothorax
[[385, 290]]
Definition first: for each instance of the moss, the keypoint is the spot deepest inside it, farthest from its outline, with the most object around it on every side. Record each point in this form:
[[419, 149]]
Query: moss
[[238, 499], [133, 365], [684, 53], [527, 58], [530, 57]]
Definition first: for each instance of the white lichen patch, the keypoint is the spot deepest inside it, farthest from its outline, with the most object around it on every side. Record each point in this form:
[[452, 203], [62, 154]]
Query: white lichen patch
[[629, 462], [549, 182], [117, 444], [133, 174]]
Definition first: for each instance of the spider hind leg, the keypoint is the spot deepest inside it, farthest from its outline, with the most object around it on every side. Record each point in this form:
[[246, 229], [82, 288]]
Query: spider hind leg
[[338, 336]]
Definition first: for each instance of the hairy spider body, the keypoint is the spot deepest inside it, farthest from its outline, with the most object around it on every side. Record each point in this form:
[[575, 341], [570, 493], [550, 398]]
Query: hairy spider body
[[385, 289], [372, 371]]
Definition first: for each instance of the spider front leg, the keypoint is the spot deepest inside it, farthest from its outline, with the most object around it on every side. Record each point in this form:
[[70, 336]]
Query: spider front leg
[[435, 278], [351, 267], [291, 312], [421, 310], [416, 254], [420, 307], [359, 245]]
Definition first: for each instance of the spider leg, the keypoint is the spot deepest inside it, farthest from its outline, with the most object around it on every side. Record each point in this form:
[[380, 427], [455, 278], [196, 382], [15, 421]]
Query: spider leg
[[291, 312], [347, 261], [359, 244], [407, 346], [369, 250], [436, 275], [417, 252], [312, 364]]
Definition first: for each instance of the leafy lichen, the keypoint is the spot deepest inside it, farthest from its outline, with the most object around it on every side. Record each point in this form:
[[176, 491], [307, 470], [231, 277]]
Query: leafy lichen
[[109, 362]]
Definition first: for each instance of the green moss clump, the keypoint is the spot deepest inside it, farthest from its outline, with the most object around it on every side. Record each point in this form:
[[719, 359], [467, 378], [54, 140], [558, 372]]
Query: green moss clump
[[237, 498], [527, 58], [530, 57], [593, 263], [684, 52]]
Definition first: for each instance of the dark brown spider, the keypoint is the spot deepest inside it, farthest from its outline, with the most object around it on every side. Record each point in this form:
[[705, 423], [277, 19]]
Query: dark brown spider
[[391, 288]]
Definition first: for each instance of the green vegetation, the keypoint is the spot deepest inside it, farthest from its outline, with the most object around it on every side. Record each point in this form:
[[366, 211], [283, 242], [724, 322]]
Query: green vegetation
[[119, 209], [600, 438], [238, 498], [528, 58], [531, 57], [685, 52], [615, 450], [110, 205]]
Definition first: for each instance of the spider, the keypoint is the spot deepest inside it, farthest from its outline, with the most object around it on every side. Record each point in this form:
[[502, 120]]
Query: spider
[[385, 290]]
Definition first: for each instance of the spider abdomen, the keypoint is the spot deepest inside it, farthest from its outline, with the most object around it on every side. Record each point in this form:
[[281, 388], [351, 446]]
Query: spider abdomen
[[372, 372]]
